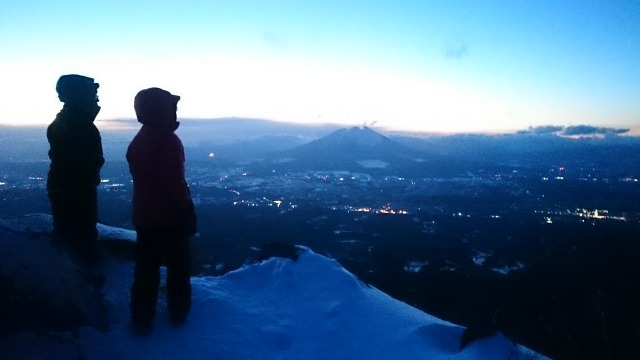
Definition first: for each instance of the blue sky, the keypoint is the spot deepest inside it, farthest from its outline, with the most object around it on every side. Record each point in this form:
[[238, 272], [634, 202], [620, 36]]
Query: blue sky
[[435, 66]]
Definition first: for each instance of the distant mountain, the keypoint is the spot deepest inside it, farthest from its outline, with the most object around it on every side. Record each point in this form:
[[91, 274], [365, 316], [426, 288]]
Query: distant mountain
[[236, 139], [535, 150], [364, 149], [356, 143], [348, 148]]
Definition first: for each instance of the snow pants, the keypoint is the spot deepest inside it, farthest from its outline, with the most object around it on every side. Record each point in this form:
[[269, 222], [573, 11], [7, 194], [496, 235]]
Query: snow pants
[[75, 214], [153, 248]]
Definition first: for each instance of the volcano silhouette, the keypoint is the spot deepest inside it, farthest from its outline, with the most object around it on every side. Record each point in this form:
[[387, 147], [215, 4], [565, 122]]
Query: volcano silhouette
[[352, 144], [364, 149]]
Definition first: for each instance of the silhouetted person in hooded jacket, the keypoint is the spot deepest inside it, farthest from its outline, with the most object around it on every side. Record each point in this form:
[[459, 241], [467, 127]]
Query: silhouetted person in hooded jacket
[[163, 213], [76, 159]]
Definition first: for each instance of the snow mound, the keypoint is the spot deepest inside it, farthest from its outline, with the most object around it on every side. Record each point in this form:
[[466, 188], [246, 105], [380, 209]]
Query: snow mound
[[311, 308]]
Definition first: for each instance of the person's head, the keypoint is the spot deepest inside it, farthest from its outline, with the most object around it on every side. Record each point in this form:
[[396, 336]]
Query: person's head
[[77, 90], [157, 107]]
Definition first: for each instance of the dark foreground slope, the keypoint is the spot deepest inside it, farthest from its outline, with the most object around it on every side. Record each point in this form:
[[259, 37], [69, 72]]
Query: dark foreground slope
[[308, 307]]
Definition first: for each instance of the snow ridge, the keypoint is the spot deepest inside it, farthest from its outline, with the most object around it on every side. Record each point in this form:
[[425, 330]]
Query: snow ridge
[[311, 308]]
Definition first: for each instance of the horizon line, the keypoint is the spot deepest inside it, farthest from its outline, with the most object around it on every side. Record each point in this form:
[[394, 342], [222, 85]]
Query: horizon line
[[591, 130]]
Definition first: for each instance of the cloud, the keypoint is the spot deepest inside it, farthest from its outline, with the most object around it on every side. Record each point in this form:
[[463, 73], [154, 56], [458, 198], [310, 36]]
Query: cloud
[[574, 130], [540, 130], [585, 130], [456, 50]]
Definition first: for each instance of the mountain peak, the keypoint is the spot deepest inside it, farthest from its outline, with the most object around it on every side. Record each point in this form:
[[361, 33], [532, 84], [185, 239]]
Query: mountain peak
[[361, 136], [356, 143]]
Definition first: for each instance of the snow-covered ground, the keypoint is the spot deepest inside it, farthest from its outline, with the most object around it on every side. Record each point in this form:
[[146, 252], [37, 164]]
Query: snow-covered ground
[[311, 308]]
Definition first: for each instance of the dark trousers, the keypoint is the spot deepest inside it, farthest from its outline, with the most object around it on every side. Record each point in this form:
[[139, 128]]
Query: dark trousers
[[153, 248], [75, 214]]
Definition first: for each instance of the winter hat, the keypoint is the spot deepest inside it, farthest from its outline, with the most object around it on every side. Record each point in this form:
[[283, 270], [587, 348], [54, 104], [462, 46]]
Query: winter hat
[[72, 87], [155, 106]]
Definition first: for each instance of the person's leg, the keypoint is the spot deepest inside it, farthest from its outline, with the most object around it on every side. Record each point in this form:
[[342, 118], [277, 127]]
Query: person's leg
[[74, 221], [62, 219], [86, 219], [144, 291], [178, 260]]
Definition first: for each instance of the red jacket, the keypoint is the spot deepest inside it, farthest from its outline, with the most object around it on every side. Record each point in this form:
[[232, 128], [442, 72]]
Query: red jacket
[[161, 198]]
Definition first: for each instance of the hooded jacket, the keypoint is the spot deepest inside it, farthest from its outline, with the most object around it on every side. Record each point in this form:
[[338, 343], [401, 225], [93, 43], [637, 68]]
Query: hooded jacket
[[75, 149], [161, 197]]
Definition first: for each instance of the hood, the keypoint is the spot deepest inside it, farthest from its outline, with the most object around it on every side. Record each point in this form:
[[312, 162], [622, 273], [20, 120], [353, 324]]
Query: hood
[[77, 89], [157, 107]]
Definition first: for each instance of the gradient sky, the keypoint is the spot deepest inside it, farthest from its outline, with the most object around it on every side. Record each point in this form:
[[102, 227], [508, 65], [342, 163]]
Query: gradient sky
[[425, 65]]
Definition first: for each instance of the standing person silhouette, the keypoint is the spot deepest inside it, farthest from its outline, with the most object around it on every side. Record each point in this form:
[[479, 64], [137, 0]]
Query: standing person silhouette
[[163, 212], [75, 150]]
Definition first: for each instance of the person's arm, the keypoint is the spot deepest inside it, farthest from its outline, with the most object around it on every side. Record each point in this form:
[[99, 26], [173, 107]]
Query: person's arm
[[174, 182]]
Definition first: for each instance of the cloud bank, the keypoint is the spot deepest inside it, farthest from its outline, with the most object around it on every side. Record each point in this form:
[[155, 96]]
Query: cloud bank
[[574, 130]]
